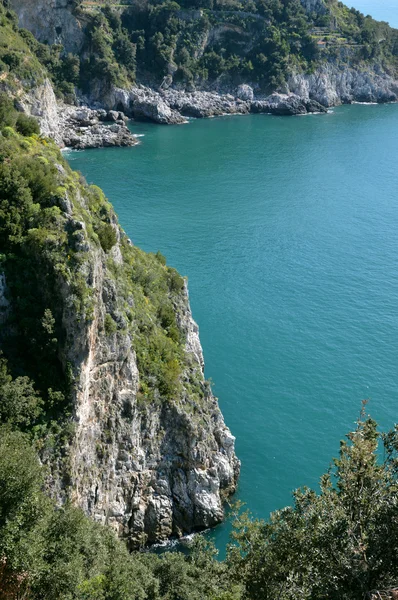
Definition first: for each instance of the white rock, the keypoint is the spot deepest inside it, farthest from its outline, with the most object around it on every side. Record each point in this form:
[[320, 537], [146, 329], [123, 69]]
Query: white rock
[[245, 92]]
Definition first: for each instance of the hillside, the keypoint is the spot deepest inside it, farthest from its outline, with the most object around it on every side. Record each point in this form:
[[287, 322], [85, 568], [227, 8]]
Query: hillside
[[213, 44], [110, 436], [126, 422]]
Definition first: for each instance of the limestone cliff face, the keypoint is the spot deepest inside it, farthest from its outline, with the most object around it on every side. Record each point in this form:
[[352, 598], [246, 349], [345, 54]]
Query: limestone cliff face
[[149, 466], [50, 21], [40, 102], [333, 84]]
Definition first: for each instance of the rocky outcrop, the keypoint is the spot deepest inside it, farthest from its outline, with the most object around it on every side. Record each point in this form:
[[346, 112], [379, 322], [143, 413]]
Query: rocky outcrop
[[151, 467], [205, 104], [333, 84], [287, 105], [148, 471], [173, 106], [41, 103], [245, 92], [82, 128], [314, 6], [330, 85], [154, 109], [74, 127]]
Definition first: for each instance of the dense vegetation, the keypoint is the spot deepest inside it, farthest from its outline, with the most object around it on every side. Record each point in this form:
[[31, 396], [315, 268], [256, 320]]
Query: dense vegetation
[[197, 43], [17, 63]]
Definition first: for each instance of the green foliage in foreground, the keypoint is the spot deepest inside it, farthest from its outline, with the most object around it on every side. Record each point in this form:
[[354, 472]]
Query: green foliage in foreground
[[48, 553], [337, 544], [332, 545]]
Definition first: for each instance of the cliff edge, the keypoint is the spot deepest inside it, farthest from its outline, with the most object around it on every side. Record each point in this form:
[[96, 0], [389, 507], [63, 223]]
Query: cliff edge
[[129, 429]]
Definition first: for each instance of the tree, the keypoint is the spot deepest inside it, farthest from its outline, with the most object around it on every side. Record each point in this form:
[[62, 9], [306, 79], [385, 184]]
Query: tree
[[22, 507], [335, 545], [15, 205], [20, 403], [27, 125], [7, 111], [125, 51]]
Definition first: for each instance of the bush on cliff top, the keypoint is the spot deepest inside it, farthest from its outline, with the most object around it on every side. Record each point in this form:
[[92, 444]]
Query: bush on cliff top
[[26, 125]]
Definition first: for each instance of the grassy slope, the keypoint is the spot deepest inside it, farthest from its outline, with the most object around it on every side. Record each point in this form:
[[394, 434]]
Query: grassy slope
[[17, 63]]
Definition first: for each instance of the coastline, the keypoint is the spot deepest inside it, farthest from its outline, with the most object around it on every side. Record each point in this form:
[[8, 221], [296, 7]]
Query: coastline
[[100, 120]]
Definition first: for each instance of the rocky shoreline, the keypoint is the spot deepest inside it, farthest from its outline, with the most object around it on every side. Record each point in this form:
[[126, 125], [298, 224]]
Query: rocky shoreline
[[174, 107], [90, 125], [83, 128], [100, 121]]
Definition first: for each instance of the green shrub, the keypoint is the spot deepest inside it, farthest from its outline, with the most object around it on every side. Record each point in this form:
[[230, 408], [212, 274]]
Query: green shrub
[[109, 325], [176, 282], [107, 236], [160, 258], [20, 403], [27, 125], [12, 59], [9, 132], [7, 111], [41, 177]]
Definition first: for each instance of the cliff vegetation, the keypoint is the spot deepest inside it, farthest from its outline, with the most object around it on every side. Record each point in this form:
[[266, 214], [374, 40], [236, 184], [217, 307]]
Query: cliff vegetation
[[194, 43], [227, 41]]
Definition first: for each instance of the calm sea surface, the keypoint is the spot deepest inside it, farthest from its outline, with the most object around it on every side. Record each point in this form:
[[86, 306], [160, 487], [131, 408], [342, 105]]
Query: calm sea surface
[[287, 229]]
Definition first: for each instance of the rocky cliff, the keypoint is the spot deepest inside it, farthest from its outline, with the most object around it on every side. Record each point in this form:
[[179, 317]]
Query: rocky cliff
[[333, 84], [51, 21], [314, 6], [40, 102], [149, 467], [140, 443], [338, 75]]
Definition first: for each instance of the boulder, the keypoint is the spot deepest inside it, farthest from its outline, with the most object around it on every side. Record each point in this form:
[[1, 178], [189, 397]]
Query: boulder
[[155, 109], [245, 92], [102, 114], [113, 115]]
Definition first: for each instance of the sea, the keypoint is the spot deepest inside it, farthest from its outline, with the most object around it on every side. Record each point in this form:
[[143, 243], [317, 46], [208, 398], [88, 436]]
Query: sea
[[287, 229]]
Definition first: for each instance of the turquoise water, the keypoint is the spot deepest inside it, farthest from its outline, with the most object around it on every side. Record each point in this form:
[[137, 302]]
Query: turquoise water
[[288, 231]]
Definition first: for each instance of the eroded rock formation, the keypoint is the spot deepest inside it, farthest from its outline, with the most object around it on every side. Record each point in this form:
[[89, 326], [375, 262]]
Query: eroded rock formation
[[151, 459]]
